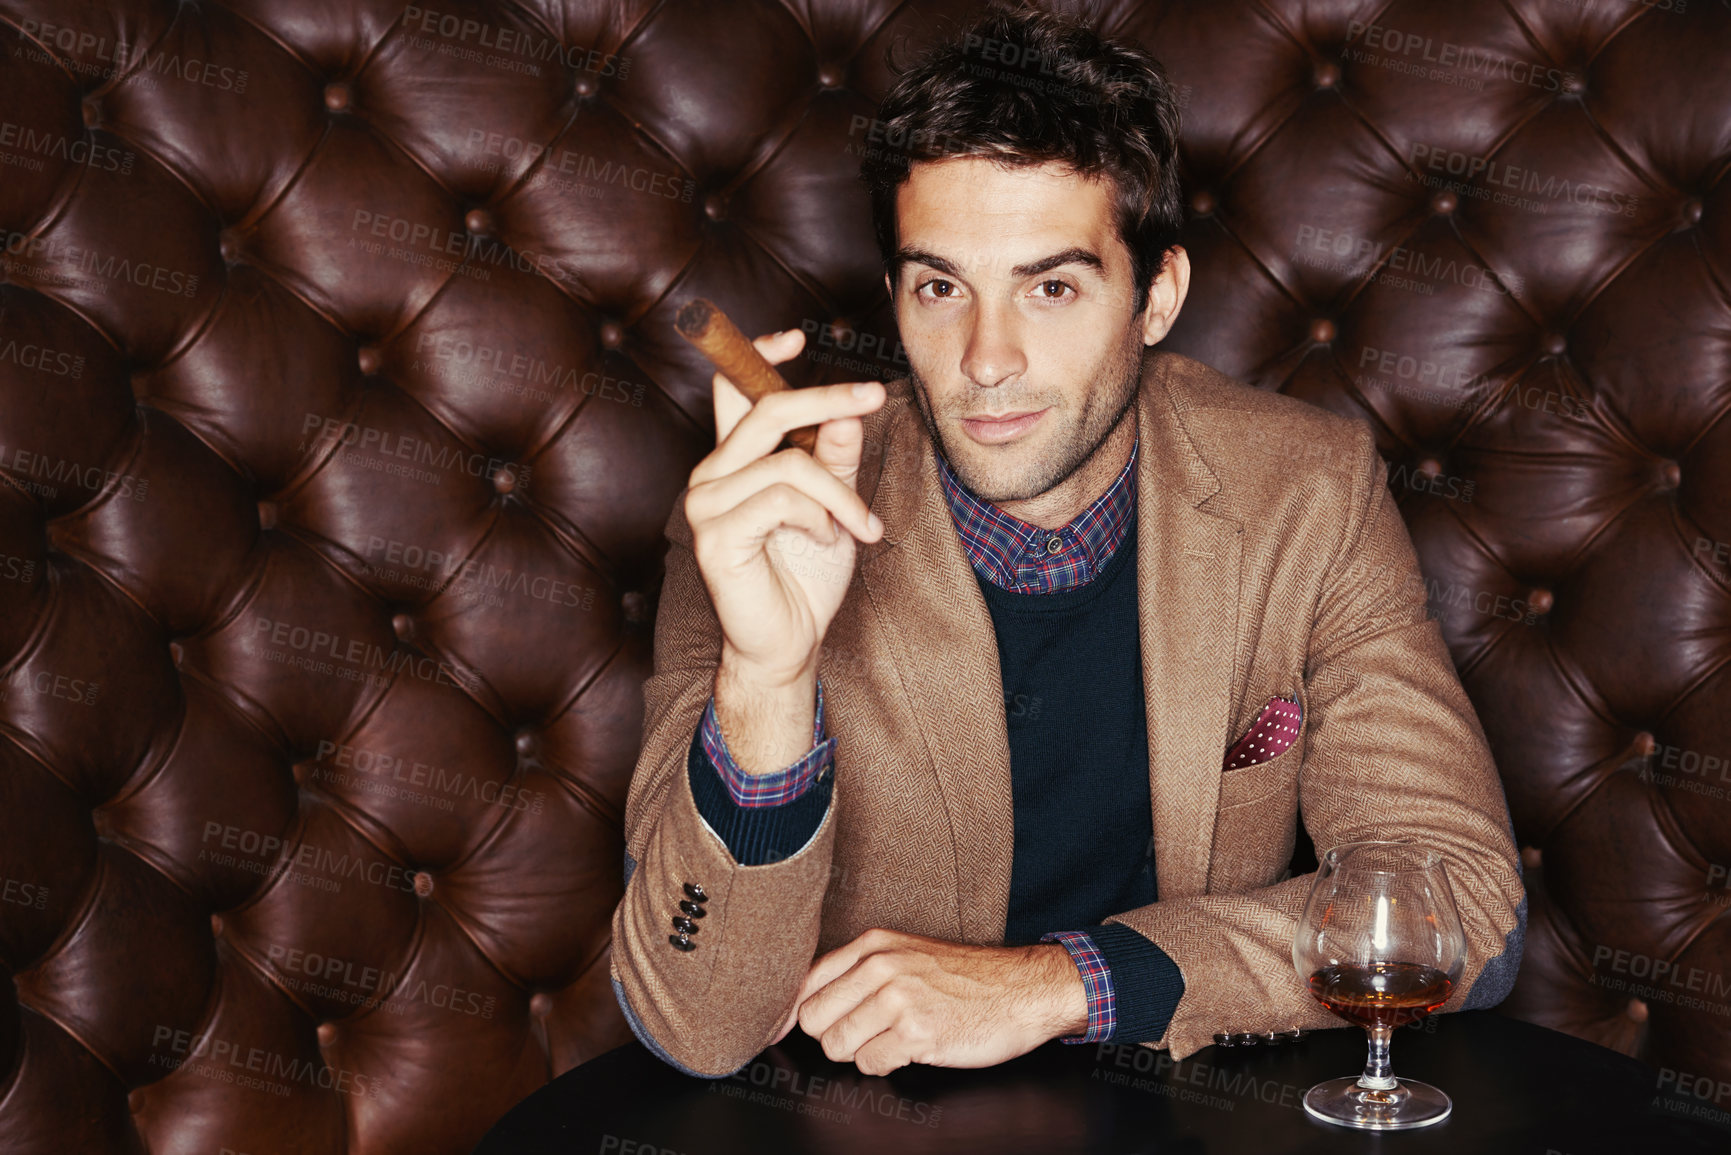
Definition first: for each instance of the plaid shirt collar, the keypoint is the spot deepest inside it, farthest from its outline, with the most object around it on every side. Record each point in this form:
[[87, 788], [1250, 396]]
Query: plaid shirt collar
[[1023, 558]]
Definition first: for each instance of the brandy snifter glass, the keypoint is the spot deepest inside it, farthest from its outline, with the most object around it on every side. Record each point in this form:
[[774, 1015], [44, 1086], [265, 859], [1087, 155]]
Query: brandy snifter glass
[[1380, 944]]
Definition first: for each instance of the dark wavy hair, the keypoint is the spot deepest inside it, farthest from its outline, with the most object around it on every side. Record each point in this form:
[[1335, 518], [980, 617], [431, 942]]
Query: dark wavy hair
[[1024, 87]]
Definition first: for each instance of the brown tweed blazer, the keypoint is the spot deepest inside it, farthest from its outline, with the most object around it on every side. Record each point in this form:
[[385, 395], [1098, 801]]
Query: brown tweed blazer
[[1271, 560]]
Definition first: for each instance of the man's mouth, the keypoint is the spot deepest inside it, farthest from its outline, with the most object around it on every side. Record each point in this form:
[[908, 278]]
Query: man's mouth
[[995, 429]]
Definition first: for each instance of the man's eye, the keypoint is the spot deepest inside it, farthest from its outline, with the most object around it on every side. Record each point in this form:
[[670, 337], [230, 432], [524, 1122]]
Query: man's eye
[[1052, 290], [939, 288]]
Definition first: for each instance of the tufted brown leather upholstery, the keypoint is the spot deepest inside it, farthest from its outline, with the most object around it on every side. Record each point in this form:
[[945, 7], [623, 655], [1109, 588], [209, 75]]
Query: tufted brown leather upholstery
[[342, 411]]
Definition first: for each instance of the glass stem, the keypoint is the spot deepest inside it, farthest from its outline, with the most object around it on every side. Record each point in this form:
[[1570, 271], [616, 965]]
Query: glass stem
[[1378, 1073]]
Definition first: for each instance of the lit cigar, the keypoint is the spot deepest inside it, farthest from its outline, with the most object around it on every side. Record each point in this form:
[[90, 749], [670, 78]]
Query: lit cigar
[[730, 351]]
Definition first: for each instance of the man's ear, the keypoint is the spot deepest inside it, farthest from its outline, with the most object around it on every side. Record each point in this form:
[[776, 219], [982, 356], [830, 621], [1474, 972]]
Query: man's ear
[[1166, 295]]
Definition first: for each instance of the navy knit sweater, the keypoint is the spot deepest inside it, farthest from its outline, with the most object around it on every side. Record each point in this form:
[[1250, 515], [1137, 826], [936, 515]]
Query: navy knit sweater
[[1073, 709]]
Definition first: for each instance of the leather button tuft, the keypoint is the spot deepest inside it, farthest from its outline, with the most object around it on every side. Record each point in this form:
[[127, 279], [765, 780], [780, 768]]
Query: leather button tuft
[[505, 481], [480, 222], [634, 606], [1636, 1010], [229, 244], [1541, 601], [692, 908], [695, 891], [1531, 857], [1645, 743], [403, 626], [135, 1100], [612, 335], [540, 1004], [682, 942], [1671, 475], [586, 86], [91, 111], [216, 925], [1326, 75], [370, 359], [1691, 211], [1202, 203], [1428, 465], [1322, 331], [267, 513], [715, 207], [423, 883], [831, 76], [1444, 203], [1553, 344], [176, 654], [338, 96], [327, 1033], [525, 743]]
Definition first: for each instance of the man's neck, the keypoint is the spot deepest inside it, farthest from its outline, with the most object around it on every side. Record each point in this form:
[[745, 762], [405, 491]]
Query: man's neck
[[1061, 504]]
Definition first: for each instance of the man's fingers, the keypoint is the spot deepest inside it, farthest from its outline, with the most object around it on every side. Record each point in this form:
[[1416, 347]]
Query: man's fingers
[[730, 406], [760, 430], [775, 507], [813, 1013], [867, 1021], [779, 347], [791, 467], [842, 994], [837, 962], [730, 403], [839, 443], [885, 1052]]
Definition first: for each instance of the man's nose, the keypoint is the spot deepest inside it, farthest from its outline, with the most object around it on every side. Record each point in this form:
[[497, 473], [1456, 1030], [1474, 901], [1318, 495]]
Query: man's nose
[[994, 350]]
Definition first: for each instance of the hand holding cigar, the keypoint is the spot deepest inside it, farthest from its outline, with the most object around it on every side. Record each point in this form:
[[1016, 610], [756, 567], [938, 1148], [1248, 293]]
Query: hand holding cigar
[[730, 351], [773, 531]]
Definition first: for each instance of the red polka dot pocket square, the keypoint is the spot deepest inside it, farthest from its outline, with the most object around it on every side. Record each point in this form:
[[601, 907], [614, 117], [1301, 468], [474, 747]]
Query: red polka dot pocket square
[[1271, 735]]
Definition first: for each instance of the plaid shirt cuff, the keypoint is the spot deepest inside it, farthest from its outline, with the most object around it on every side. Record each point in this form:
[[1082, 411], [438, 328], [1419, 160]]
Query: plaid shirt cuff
[[757, 790], [1096, 984]]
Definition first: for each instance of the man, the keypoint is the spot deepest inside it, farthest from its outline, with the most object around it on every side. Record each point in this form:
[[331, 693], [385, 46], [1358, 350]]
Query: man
[[1008, 698]]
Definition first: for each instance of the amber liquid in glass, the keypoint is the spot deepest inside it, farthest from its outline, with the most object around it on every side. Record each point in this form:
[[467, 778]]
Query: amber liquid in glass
[[1381, 994]]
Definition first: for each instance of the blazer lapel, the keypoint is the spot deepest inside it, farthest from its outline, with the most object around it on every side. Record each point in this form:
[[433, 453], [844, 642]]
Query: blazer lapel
[[1187, 594], [926, 604], [928, 608]]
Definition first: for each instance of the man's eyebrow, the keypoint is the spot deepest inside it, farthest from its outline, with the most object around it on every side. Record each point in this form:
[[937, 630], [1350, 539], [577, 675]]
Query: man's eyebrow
[[906, 255], [1070, 256]]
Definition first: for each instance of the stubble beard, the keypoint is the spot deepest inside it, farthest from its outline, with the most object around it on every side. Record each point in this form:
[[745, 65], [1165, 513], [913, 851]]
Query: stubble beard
[[1101, 413]]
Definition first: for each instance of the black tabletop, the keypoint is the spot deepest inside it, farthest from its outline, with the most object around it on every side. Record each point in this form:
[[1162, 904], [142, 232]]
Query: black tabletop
[[1516, 1088]]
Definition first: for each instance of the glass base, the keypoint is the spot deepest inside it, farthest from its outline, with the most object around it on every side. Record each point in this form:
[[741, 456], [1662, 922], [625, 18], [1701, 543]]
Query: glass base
[[1408, 1104]]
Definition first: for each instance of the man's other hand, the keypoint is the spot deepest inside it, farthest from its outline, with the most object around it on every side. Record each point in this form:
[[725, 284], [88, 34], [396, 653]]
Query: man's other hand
[[888, 999]]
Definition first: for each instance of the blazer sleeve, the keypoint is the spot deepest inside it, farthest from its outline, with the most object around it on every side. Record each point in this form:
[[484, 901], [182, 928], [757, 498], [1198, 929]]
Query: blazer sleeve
[[765, 817], [1394, 750], [709, 1009]]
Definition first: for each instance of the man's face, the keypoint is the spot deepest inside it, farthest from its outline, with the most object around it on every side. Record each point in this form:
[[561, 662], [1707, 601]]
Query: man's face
[[1015, 300]]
